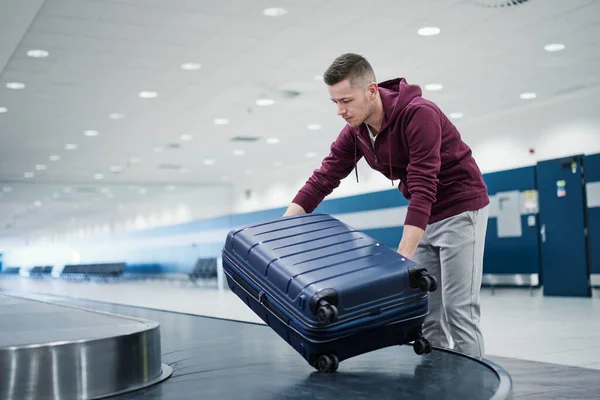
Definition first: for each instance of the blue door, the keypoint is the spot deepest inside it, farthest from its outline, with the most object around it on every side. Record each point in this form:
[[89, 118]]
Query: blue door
[[561, 188]]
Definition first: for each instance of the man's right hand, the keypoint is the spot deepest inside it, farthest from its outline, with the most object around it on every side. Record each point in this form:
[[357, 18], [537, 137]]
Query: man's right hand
[[294, 209]]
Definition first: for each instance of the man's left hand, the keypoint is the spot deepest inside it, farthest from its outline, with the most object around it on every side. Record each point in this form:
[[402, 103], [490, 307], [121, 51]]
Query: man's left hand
[[410, 240]]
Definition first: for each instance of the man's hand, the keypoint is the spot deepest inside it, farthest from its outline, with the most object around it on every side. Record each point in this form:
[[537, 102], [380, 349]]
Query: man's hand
[[294, 209], [410, 240]]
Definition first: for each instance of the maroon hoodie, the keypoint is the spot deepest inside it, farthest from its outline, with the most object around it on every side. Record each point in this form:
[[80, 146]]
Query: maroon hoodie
[[416, 144]]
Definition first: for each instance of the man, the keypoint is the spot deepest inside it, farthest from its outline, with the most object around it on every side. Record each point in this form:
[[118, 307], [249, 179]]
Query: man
[[406, 137]]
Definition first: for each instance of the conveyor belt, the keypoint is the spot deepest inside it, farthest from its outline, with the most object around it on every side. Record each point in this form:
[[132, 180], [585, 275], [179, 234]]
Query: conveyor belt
[[50, 351], [223, 359]]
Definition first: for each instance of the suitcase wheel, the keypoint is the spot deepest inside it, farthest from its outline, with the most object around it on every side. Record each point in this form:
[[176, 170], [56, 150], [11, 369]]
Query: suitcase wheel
[[420, 278], [422, 346], [327, 313], [428, 284], [328, 363]]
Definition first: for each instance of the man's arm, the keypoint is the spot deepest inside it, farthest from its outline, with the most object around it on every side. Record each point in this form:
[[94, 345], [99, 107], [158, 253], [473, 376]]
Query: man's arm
[[294, 209], [335, 167], [424, 138]]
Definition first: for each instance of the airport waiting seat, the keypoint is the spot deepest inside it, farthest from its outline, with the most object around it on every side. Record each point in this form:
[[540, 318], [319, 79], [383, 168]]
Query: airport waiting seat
[[87, 271], [205, 269]]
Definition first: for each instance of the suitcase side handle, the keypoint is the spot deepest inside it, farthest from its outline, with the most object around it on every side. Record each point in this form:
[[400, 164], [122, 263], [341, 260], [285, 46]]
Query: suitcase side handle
[[260, 297]]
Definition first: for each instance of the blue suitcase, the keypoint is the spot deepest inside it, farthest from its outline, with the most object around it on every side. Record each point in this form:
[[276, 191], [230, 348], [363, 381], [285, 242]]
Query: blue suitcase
[[329, 290]]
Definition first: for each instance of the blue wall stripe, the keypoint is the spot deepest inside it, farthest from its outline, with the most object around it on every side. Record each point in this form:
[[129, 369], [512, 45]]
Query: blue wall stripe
[[175, 248], [515, 179], [387, 236]]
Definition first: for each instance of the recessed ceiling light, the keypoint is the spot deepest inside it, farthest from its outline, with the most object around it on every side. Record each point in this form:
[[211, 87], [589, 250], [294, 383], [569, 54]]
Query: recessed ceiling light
[[191, 66], [554, 47], [37, 53], [221, 121], [40, 167], [37, 203], [209, 162], [433, 87], [134, 160], [15, 85], [429, 31], [456, 115], [71, 146], [91, 133], [29, 174], [272, 140], [314, 127], [3, 110], [265, 102], [311, 154], [277, 164], [239, 152], [274, 12], [115, 169], [116, 116], [98, 176], [148, 95], [54, 158], [528, 96], [7, 189], [186, 137]]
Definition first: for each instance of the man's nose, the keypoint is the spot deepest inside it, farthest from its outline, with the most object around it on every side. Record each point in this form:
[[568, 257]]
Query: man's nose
[[341, 109]]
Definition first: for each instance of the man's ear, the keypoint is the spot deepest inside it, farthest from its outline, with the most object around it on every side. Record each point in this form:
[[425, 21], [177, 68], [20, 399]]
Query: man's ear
[[372, 88]]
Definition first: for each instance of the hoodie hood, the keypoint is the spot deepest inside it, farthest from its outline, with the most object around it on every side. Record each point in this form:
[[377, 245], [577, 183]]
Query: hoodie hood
[[395, 95]]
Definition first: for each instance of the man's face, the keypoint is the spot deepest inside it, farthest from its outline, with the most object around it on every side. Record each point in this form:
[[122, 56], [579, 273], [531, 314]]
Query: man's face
[[354, 104]]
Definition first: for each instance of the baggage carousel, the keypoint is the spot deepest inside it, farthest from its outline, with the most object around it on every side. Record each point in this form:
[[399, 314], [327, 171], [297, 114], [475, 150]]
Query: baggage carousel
[[54, 347]]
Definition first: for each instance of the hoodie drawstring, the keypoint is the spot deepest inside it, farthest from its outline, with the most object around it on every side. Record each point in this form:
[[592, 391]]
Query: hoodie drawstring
[[390, 157], [355, 165]]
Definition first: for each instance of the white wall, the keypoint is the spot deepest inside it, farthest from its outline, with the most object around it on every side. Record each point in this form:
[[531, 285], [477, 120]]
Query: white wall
[[557, 127]]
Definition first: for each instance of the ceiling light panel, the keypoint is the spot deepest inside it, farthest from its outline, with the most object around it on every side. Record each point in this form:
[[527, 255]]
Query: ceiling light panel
[[15, 85], [190, 66], [429, 31], [148, 95], [35, 53], [274, 12]]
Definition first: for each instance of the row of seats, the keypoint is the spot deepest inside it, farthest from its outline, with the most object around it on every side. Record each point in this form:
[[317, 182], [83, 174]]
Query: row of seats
[[205, 269], [94, 270]]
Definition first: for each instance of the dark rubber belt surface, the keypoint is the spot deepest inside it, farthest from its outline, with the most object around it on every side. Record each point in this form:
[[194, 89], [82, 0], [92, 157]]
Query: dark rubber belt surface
[[223, 359]]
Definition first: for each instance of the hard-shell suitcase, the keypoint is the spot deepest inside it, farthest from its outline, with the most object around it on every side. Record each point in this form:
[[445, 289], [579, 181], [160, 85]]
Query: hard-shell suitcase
[[329, 290]]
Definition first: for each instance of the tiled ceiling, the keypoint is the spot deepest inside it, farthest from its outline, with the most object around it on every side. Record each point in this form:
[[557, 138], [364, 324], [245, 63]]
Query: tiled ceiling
[[102, 53]]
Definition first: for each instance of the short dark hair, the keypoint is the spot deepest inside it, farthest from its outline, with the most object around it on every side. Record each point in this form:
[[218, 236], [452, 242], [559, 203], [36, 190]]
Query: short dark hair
[[349, 66]]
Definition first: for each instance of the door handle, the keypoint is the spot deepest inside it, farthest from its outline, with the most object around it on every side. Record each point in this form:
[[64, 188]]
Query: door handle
[[543, 233]]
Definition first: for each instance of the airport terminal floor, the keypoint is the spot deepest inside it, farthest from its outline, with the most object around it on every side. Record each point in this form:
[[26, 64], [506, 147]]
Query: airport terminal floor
[[195, 341]]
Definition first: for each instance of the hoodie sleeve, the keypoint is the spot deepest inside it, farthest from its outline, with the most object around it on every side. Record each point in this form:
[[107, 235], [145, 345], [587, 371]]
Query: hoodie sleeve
[[343, 155], [424, 138]]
